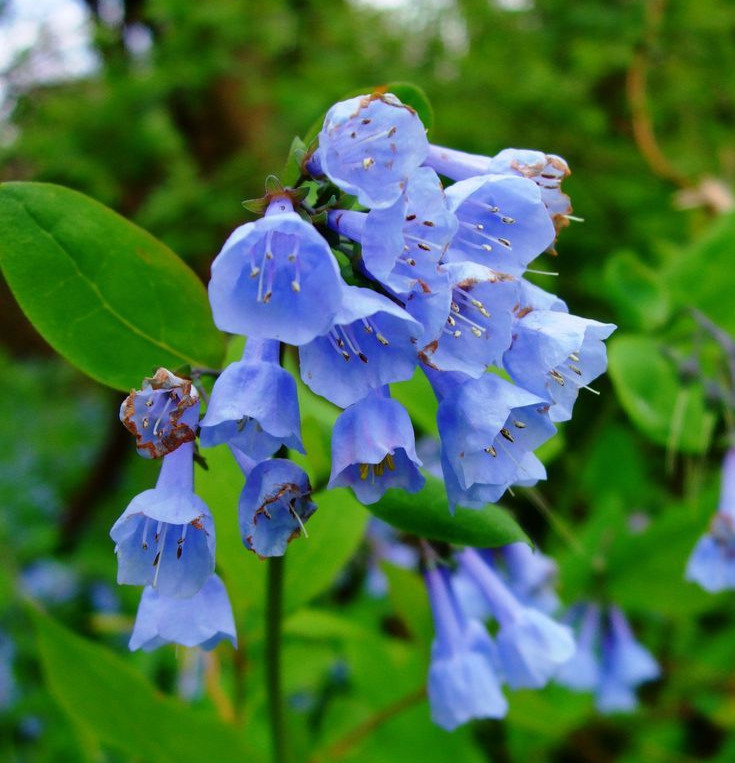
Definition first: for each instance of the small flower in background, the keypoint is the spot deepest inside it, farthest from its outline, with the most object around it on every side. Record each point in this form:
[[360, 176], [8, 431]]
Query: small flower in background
[[8, 687], [162, 415], [165, 537], [463, 680], [253, 405], [531, 646], [276, 279], [609, 661], [712, 563], [274, 506], [373, 449], [384, 544], [368, 146], [202, 620], [50, 581]]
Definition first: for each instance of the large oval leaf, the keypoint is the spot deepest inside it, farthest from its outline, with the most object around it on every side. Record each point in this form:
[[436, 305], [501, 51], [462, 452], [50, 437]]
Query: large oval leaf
[[109, 297], [427, 514]]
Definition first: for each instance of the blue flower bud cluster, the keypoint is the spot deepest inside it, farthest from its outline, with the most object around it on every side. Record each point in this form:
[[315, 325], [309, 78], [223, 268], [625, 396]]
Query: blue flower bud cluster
[[435, 280]]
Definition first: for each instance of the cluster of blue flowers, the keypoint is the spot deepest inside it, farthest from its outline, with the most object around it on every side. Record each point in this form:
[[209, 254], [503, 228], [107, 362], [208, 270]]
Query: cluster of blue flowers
[[386, 269]]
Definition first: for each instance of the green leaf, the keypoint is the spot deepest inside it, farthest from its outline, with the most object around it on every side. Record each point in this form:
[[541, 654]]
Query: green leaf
[[637, 291], [111, 702], [427, 514], [649, 390], [700, 276], [109, 297]]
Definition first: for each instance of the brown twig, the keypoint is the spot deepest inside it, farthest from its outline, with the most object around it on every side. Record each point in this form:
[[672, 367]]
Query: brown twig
[[636, 89], [352, 738]]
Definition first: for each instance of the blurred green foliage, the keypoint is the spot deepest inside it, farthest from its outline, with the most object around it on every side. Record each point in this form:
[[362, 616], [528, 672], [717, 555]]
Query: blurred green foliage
[[639, 98]]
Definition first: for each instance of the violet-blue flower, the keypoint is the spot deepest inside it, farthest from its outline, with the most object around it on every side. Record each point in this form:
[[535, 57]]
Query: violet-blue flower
[[369, 146], [276, 278], [165, 537], [582, 671], [546, 170], [487, 428], [162, 415], [463, 683], [202, 620], [254, 405], [274, 506], [373, 449], [625, 664], [478, 326], [503, 223], [403, 244], [372, 343], [531, 576], [531, 646], [712, 563], [554, 354]]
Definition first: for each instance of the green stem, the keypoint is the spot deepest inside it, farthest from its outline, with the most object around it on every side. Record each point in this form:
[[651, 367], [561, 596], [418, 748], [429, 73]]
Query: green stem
[[273, 657]]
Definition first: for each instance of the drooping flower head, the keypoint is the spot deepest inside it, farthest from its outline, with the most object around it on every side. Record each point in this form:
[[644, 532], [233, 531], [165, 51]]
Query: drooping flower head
[[202, 620], [463, 680], [253, 404], [503, 223], [165, 537], [531, 646], [554, 354], [274, 506], [276, 278], [369, 146], [162, 415], [373, 449], [712, 563], [488, 428], [372, 343]]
